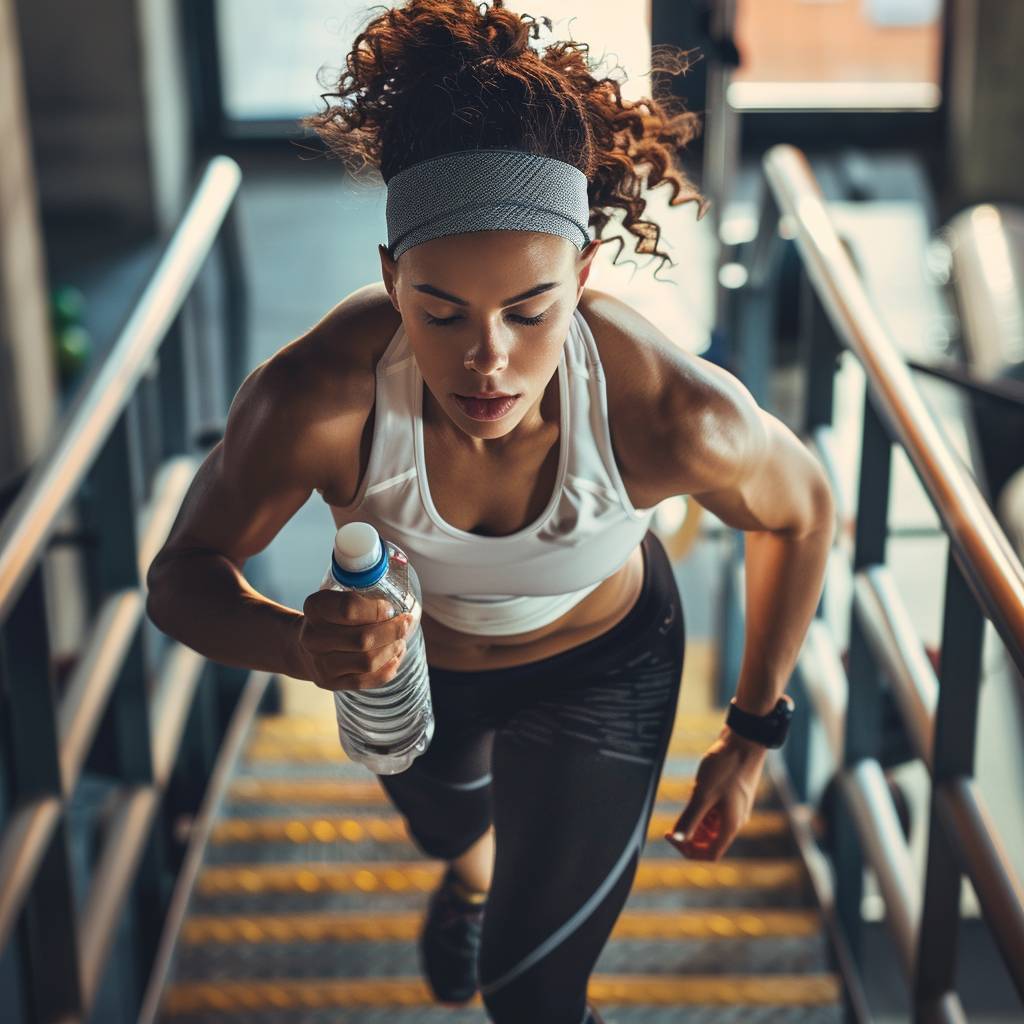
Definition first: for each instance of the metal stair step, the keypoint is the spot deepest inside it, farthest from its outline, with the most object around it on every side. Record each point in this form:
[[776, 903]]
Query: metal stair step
[[424, 875], [732, 923], [695, 1013], [298, 727], [672, 883], [677, 957], [362, 836], [252, 796], [306, 739], [401, 992], [312, 895]]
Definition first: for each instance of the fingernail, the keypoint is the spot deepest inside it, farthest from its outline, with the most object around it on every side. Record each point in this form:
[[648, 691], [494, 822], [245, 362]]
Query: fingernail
[[391, 612]]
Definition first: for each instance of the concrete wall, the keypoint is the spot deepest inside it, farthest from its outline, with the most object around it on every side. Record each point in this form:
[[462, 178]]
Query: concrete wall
[[109, 109], [986, 101]]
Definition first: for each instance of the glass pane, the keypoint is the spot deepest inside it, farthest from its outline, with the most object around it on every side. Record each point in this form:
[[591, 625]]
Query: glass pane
[[271, 50], [837, 54]]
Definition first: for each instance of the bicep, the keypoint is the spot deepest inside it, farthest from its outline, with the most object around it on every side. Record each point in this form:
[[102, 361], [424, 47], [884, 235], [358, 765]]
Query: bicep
[[231, 511]]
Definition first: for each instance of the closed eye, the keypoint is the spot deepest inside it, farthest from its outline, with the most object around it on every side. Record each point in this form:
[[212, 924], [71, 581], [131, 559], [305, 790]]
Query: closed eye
[[530, 320]]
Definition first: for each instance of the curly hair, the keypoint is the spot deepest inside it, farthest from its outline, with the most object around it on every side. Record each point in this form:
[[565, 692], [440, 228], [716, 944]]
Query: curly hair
[[434, 76]]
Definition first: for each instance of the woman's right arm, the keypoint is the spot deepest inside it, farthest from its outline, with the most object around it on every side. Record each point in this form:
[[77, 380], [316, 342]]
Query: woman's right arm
[[252, 482]]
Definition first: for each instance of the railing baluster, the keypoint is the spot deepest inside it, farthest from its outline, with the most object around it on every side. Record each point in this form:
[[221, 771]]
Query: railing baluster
[[864, 703], [956, 716], [236, 306], [819, 352], [173, 411], [51, 952], [112, 505], [149, 421]]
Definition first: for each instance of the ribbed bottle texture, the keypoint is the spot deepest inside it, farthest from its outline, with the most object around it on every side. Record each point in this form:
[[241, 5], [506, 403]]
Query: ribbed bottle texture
[[386, 727]]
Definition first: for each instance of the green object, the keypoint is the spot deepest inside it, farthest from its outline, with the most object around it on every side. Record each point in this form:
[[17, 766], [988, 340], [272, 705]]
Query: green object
[[74, 349], [67, 305]]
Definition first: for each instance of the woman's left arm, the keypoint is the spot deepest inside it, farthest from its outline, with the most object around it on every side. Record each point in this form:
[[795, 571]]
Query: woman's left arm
[[753, 473]]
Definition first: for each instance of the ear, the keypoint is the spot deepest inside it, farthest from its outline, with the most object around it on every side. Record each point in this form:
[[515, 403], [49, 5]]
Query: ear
[[584, 263], [388, 270]]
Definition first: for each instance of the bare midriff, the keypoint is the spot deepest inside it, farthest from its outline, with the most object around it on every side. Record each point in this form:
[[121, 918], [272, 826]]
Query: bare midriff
[[603, 608]]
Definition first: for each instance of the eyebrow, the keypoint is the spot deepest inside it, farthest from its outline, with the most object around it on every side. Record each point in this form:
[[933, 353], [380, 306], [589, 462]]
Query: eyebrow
[[430, 289]]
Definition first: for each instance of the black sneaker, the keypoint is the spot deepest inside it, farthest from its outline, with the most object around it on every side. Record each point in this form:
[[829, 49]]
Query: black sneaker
[[593, 1017], [450, 940]]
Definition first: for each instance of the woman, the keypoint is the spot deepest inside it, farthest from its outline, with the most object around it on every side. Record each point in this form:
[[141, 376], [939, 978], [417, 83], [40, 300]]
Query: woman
[[553, 627]]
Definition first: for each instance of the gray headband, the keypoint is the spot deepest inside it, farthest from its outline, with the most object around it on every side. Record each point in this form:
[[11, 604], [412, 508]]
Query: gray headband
[[486, 190]]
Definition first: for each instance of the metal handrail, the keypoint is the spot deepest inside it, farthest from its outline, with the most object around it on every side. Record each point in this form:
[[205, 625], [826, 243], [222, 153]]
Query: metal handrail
[[102, 397], [982, 566], [984, 555], [93, 432]]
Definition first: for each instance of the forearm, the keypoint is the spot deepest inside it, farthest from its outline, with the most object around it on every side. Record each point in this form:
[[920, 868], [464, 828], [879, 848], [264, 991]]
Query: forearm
[[784, 577], [204, 601]]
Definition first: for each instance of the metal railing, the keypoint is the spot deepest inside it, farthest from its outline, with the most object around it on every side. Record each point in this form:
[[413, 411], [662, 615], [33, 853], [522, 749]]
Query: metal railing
[[149, 725], [984, 579]]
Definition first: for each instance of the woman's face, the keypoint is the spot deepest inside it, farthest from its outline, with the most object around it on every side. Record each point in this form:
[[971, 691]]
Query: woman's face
[[470, 328]]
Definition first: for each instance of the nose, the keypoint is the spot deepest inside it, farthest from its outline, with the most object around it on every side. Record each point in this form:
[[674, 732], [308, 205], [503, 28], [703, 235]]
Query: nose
[[488, 355]]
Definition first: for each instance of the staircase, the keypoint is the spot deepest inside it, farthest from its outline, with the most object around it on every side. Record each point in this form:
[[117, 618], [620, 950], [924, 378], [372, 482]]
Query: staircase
[[309, 904]]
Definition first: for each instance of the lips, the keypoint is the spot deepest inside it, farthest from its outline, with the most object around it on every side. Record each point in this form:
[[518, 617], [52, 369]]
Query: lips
[[486, 409]]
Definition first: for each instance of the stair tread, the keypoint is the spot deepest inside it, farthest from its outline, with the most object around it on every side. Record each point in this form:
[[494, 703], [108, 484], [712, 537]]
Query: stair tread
[[307, 852]]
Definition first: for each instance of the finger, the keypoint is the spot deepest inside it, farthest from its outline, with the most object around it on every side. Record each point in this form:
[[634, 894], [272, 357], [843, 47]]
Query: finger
[[346, 679], [731, 822], [326, 637], [700, 803], [347, 608], [708, 829], [717, 849], [340, 663]]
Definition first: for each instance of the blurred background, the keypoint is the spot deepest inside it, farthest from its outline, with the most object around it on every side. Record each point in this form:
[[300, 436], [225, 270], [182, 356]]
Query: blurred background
[[165, 227]]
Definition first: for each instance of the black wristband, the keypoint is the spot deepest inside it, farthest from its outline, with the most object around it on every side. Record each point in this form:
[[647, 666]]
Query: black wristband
[[769, 730]]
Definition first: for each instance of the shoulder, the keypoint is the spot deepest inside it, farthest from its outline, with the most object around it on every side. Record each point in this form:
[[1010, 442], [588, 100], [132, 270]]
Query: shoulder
[[683, 419], [311, 398]]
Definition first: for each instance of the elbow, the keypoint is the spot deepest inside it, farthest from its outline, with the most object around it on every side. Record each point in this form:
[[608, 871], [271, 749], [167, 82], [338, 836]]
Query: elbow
[[821, 504], [155, 591], [153, 607]]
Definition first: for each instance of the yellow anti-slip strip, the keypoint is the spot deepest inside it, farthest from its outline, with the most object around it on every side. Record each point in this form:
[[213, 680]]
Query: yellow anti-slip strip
[[613, 989], [392, 828], [309, 726], [733, 923], [688, 743], [370, 791], [415, 876]]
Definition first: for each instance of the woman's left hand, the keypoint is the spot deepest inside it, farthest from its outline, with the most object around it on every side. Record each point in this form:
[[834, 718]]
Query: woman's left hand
[[723, 796]]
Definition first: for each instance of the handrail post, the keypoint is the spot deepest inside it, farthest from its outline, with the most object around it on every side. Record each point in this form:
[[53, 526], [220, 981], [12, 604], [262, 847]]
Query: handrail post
[[864, 702], [236, 306], [50, 966], [174, 426], [956, 717], [818, 352]]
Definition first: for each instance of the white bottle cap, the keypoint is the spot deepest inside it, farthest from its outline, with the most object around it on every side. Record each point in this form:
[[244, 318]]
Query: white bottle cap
[[357, 547]]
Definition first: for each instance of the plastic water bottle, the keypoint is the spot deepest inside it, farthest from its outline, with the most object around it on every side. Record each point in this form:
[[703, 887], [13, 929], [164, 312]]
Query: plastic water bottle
[[386, 727]]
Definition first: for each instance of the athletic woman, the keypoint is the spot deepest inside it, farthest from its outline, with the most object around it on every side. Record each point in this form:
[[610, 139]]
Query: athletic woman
[[513, 432]]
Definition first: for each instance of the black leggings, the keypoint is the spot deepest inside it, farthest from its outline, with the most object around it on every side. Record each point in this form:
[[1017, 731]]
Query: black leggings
[[563, 755]]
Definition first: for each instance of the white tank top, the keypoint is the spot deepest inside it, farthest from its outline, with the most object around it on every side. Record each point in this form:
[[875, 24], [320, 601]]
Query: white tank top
[[498, 586]]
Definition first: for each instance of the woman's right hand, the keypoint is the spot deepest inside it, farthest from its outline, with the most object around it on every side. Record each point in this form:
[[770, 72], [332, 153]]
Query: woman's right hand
[[346, 642]]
